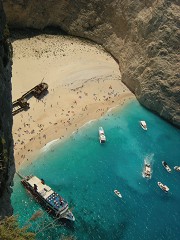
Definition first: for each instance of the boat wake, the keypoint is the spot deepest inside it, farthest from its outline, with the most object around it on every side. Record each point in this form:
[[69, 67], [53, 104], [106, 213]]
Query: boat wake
[[149, 158]]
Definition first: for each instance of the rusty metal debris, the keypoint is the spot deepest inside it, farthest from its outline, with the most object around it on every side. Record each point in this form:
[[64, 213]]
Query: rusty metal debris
[[22, 103]]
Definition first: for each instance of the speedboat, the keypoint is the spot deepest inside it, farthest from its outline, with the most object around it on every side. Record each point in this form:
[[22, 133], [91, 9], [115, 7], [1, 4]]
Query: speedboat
[[102, 137], [147, 170], [143, 125], [50, 200], [118, 193], [166, 166], [177, 168], [163, 187]]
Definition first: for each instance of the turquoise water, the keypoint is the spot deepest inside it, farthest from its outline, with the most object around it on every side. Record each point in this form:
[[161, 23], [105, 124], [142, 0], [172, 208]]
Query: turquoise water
[[86, 173]]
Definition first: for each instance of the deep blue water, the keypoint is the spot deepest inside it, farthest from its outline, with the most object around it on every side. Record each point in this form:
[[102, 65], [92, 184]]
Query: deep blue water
[[86, 173]]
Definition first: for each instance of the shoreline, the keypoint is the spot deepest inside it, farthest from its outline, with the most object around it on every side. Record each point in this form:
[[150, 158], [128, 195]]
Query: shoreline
[[84, 83], [47, 147]]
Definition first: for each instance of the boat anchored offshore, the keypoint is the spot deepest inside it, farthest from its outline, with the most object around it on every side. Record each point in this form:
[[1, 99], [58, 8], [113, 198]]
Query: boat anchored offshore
[[163, 187], [166, 166], [49, 199], [147, 170], [118, 193], [143, 125], [177, 168], [102, 137]]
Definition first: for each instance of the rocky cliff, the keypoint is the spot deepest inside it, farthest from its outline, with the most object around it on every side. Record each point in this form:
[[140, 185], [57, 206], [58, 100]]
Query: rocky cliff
[[142, 35], [7, 168]]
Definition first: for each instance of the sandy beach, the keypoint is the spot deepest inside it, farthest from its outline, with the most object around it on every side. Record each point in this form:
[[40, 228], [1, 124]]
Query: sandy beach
[[84, 83]]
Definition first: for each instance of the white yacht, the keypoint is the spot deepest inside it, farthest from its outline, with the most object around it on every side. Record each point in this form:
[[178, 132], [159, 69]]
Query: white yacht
[[177, 168], [166, 166], [102, 137], [163, 187], [143, 125], [118, 193]]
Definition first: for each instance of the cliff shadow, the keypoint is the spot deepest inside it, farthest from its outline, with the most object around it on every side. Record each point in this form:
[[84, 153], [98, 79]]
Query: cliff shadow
[[18, 34]]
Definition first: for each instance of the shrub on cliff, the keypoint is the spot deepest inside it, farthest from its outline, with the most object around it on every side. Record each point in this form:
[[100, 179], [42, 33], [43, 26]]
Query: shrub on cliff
[[10, 230]]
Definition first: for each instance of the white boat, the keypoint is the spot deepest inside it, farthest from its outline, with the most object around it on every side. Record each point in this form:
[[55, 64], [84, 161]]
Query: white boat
[[49, 199], [177, 168], [166, 166], [147, 170], [102, 137], [118, 193], [143, 125], [163, 187]]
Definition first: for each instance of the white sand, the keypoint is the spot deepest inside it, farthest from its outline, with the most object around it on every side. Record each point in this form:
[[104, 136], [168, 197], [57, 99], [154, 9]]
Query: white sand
[[84, 82]]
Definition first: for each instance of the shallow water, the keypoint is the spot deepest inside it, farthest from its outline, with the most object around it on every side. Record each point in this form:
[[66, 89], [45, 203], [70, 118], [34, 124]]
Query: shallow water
[[86, 173]]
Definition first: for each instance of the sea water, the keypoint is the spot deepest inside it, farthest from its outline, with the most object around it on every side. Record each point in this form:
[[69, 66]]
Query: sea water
[[86, 173]]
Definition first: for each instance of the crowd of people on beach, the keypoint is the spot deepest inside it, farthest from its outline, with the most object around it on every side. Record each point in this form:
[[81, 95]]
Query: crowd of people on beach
[[86, 89], [31, 130]]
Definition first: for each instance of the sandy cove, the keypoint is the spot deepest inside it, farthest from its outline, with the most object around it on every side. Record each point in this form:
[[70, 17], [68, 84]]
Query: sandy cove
[[84, 83]]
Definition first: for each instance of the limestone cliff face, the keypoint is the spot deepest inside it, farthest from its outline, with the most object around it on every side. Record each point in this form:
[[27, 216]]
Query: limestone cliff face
[[143, 35], [7, 168]]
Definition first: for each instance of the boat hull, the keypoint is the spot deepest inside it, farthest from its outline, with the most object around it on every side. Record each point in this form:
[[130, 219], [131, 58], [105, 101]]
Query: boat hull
[[118, 193], [147, 170], [177, 168], [45, 204], [163, 187], [102, 137], [168, 169], [143, 125]]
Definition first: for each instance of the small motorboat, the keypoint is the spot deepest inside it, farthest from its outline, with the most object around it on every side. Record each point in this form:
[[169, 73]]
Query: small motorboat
[[143, 125], [177, 168], [163, 187], [118, 193], [102, 137], [147, 170], [166, 166]]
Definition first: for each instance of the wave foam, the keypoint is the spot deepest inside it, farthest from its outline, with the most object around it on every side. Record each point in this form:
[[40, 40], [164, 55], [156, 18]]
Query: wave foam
[[48, 146]]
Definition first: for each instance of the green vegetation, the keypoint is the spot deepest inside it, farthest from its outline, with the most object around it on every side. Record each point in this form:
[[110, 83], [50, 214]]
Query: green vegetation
[[10, 230]]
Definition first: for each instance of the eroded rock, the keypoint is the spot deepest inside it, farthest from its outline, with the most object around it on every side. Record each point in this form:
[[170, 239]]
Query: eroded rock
[[7, 167], [142, 35]]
